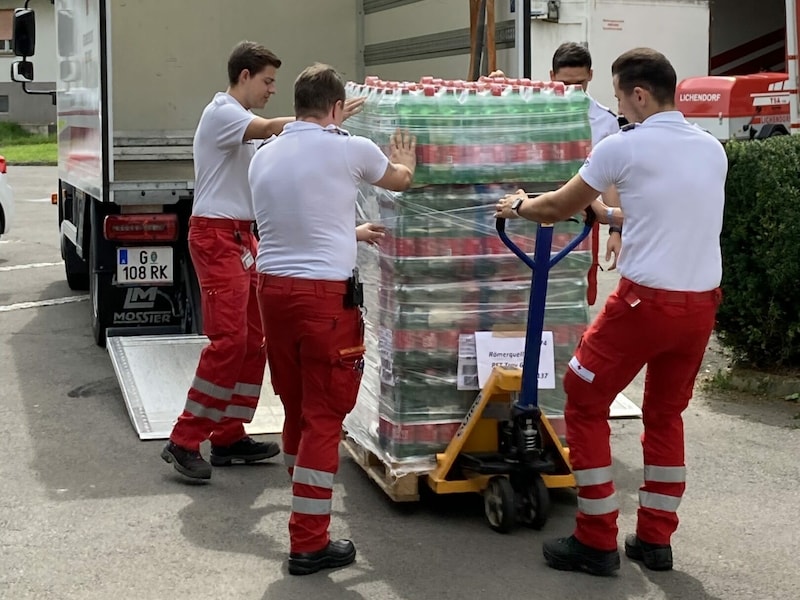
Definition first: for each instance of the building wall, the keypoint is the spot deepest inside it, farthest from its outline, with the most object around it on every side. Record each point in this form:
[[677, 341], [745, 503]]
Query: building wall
[[21, 107]]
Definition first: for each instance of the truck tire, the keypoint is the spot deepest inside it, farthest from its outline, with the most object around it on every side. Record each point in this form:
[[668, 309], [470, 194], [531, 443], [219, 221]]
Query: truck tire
[[76, 269], [100, 288]]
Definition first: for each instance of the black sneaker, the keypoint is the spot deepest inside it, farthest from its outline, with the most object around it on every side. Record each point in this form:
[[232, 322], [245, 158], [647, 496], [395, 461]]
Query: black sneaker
[[245, 451], [656, 557], [336, 554], [569, 554], [186, 462]]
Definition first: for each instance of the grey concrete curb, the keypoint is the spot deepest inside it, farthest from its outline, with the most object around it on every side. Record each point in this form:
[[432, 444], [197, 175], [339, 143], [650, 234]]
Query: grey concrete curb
[[756, 382]]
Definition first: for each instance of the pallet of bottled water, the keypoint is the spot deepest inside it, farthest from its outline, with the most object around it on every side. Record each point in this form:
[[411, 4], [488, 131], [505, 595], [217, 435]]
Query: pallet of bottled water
[[495, 129]]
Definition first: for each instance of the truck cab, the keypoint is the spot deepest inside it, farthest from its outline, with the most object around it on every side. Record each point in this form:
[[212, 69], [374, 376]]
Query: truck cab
[[738, 107]]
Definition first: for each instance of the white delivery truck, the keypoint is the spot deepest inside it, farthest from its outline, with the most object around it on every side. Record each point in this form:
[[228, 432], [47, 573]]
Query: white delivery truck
[[133, 78]]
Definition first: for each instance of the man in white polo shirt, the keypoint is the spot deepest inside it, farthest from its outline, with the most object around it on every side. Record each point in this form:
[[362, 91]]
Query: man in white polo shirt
[[572, 65], [304, 186], [225, 390], [671, 180]]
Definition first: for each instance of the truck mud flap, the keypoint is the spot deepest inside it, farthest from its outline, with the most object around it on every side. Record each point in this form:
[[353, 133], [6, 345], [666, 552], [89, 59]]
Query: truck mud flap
[[154, 374]]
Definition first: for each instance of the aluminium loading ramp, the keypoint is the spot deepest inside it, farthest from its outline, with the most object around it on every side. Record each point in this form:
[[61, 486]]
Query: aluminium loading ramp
[[154, 374]]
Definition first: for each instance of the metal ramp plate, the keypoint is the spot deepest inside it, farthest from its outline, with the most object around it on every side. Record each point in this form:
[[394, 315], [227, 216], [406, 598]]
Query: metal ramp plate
[[623, 408], [154, 374]]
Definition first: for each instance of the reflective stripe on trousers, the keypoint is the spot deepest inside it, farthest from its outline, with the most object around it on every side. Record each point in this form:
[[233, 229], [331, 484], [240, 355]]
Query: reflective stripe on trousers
[[312, 491]]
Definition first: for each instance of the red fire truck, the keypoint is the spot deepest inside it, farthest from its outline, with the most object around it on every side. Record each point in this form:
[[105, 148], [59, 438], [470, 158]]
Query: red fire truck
[[740, 106]]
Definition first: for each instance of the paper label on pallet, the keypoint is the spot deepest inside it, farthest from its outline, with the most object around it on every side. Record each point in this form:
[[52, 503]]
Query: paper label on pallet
[[491, 349]]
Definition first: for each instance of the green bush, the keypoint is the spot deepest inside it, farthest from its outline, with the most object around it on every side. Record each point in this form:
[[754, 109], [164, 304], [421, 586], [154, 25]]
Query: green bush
[[759, 319]]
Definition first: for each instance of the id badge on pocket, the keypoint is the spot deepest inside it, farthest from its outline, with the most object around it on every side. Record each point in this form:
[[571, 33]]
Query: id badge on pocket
[[247, 259]]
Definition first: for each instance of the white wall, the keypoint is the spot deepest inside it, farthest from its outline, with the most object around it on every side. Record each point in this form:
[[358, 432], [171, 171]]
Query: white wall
[[677, 28]]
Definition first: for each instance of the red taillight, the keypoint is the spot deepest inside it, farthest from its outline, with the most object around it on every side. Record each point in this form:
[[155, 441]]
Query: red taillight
[[141, 228], [2, 164]]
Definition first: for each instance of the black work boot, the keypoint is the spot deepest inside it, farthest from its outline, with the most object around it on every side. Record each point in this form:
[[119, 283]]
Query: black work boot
[[245, 451], [186, 462], [656, 557], [569, 554], [336, 554]]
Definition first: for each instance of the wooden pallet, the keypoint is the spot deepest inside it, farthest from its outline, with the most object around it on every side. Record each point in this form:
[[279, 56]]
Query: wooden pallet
[[404, 488]]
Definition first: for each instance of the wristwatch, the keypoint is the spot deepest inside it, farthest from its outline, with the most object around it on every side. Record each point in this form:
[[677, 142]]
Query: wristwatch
[[516, 204]]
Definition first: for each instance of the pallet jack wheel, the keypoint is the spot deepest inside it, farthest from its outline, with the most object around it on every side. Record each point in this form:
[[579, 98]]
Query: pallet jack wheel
[[535, 507], [499, 505]]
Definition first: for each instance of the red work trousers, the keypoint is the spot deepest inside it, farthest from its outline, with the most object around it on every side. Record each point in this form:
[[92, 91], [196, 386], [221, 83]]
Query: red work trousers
[[667, 331], [227, 384], [315, 351]]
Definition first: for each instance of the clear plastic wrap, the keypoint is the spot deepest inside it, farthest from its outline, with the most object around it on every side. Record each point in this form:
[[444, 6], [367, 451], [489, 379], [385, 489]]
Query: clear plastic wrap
[[442, 272]]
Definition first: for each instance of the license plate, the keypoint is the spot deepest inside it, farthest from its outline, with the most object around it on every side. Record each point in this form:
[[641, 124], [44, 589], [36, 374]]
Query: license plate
[[151, 265]]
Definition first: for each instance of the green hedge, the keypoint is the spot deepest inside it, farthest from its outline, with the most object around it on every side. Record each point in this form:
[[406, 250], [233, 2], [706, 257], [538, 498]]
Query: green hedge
[[759, 319]]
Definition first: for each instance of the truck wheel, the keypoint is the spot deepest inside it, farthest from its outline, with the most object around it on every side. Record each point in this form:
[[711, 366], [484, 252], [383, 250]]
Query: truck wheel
[[99, 293], [76, 268]]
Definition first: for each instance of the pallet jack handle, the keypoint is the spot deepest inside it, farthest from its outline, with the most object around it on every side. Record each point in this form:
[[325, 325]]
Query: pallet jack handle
[[540, 265]]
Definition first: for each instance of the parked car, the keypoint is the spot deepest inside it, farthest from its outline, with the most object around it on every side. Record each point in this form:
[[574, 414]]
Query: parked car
[[6, 200]]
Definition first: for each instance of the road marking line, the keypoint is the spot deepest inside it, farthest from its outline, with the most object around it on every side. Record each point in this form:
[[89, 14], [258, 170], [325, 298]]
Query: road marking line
[[53, 302], [30, 266]]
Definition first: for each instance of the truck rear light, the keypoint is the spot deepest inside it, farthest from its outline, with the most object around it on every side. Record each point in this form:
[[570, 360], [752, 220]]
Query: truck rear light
[[141, 228], [2, 164]]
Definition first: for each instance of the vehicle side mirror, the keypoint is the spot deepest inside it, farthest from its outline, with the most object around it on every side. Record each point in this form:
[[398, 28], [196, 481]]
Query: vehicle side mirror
[[24, 32], [22, 71]]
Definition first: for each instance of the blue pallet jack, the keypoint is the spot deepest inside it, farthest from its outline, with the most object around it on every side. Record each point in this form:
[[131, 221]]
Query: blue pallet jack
[[505, 448]]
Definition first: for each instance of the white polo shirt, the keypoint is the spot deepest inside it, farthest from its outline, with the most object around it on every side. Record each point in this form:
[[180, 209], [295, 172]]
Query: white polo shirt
[[671, 180], [304, 187], [221, 160], [602, 121]]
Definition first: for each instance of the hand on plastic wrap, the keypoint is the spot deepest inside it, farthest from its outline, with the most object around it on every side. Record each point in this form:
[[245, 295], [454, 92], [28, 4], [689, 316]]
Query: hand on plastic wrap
[[613, 247], [497, 73], [353, 106], [403, 148], [370, 233]]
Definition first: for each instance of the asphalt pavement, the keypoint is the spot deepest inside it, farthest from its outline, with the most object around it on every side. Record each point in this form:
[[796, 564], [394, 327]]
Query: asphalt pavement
[[88, 511]]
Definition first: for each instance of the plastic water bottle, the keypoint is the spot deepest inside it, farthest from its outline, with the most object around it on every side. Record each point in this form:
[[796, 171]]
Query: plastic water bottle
[[578, 103], [470, 139], [443, 135]]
